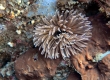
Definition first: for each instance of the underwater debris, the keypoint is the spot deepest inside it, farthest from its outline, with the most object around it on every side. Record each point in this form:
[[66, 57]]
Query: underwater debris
[[100, 56]]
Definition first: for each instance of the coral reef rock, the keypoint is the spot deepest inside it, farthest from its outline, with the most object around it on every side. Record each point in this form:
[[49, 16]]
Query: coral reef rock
[[83, 63], [4, 58], [104, 6], [46, 7], [63, 5], [31, 66], [104, 66], [85, 1], [73, 76], [7, 70]]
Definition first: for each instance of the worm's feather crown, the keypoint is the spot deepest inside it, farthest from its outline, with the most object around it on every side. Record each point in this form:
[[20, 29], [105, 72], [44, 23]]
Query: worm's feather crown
[[63, 34]]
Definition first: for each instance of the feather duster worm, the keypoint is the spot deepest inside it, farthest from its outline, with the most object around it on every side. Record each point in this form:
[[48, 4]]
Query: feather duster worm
[[63, 34]]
